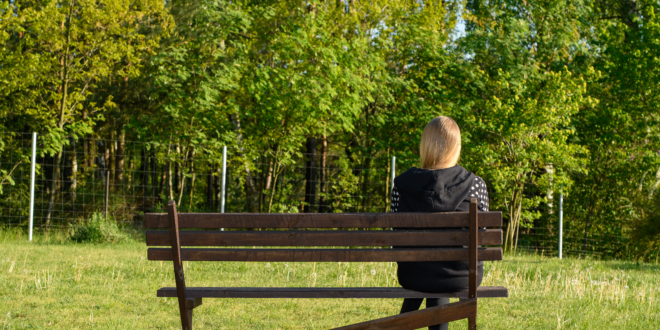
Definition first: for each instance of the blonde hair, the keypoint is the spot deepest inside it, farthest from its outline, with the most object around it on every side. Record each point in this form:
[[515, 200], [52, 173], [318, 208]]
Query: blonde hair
[[440, 146]]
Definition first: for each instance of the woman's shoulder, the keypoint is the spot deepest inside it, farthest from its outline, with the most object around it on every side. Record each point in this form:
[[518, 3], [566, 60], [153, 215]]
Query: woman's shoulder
[[478, 183]]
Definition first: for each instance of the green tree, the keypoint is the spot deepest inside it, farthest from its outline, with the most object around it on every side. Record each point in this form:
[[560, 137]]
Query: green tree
[[622, 130], [508, 85], [59, 50]]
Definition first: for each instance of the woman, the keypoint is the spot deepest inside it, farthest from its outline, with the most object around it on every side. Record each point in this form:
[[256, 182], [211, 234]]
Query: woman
[[439, 186]]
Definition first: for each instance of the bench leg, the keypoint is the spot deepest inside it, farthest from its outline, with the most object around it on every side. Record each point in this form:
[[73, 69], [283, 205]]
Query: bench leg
[[190, 315], [187, 312], [472, 323], [186, 318]]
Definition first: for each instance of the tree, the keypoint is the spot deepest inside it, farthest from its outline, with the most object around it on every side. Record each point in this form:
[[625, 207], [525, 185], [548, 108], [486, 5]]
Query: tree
[[514, 97], [61, 49], [622, 130]]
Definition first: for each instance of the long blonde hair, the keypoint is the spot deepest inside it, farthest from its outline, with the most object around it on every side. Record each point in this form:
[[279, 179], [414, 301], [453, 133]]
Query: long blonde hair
[[440, 146]]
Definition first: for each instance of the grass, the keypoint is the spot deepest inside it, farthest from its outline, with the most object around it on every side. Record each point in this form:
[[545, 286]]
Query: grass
[[50, 283]]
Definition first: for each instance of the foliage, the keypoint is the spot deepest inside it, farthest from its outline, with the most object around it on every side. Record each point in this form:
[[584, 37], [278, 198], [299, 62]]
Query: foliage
[[552, 96], [97, 230]]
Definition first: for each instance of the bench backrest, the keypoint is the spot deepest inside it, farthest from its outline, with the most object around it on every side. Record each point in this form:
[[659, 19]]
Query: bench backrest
[[326, 237]]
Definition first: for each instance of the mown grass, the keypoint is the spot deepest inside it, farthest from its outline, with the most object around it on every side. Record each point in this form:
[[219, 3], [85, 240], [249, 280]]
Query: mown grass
[[50, 283]]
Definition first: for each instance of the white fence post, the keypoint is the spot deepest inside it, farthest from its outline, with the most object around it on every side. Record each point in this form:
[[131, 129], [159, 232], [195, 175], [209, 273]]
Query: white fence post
[[561, 219], [224, 178], [32, 179]]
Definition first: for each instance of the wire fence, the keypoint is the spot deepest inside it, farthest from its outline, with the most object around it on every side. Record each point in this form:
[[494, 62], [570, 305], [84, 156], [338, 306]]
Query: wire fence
[[131, 178], [137, 177]]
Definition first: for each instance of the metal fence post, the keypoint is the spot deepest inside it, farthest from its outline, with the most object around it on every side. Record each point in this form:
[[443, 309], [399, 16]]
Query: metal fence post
[[393, 170], [224, 178], [107, 192], [561, 219], [32, 179]]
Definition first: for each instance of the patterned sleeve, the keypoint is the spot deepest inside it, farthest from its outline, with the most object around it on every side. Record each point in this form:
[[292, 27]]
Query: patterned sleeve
[[480, 191], [395, 200]]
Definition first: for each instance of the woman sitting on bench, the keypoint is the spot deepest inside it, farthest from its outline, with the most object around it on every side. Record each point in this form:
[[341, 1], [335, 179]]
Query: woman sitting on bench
[[439, 186]]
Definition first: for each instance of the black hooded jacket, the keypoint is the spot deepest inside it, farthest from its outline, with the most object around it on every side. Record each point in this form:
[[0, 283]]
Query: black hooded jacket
[[444, 190]]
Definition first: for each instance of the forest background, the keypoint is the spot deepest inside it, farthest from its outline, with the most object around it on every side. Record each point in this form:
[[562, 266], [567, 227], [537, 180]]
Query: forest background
[[313, 98]]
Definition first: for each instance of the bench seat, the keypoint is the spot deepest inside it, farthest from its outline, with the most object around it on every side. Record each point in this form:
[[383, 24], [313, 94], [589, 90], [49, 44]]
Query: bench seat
[[313, 293]]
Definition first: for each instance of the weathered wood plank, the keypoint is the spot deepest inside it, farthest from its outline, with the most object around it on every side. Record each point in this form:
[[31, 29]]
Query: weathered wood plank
[[450, 237], [474, 236], [324, 255], [323, 220], [421, 318], [472, 278], [175, 256], [314, 293]]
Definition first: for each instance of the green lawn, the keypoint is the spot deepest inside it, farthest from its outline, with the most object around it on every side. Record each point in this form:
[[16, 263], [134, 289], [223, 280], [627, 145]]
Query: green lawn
[[45, 284]]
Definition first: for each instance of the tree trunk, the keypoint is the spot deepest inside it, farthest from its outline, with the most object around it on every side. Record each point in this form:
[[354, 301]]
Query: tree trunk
[[218, 188], [111, 160], [182, 180], [510, 229], [74, 170], [269, 176], [276, 171], [310, 176], [209, 190], [92, 152], [586, 226], [388, 189], [106, 164], [251, 203], [119, 167], [272, 192], [323, 205], [87, 158], [154, 176], [261, 182], [161, 181], [365, 184], [53, 186], [129, 176], [170, 190], [519, 217], [177, 169], [192, 180], [144, 175], [64, 84]]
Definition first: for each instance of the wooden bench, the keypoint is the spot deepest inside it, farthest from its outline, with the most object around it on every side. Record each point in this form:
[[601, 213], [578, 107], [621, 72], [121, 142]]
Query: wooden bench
[[422, 229]]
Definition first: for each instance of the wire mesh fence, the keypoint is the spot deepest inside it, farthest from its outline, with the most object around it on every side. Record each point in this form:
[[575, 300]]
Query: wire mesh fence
[[135, 177], [124, 179]]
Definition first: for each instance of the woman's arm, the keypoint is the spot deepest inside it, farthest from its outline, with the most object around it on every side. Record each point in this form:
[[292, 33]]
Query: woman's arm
[[395, 200], [481, 191]]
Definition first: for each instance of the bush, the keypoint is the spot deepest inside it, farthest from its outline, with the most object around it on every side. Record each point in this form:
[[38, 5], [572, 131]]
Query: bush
[[646, 228], [97, 230]]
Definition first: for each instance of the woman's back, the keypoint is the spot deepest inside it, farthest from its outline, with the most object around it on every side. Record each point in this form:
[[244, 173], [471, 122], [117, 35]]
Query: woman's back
[[441, 190]]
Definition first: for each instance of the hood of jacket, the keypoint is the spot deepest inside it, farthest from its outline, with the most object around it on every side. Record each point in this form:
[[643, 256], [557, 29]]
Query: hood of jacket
[[434, 190]]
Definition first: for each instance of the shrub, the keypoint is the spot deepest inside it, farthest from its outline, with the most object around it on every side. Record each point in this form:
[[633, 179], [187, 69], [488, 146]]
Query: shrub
[[646, 227], [97, 230]]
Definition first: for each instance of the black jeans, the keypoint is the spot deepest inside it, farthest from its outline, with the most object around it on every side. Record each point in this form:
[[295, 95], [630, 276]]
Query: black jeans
[[412, 304]]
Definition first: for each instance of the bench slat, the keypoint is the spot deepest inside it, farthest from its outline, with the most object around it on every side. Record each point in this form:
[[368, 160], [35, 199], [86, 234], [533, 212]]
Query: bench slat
[[323, 220], [374, 292], [455, 237], [325, 255]]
